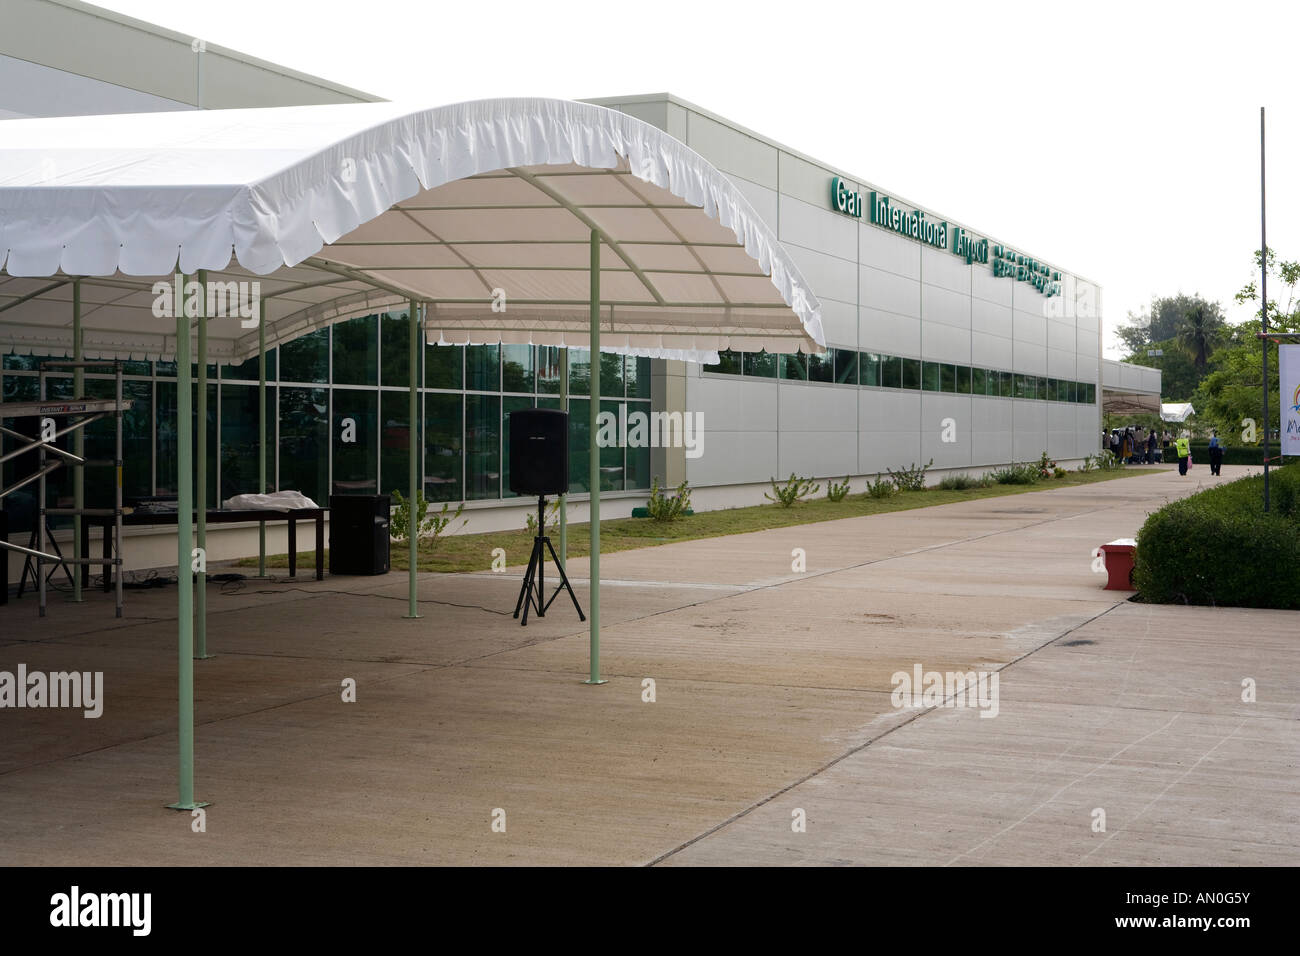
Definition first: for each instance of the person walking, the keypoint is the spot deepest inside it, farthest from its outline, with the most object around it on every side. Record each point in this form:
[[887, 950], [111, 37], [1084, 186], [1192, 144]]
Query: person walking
[[1151, 447], [1164, 446], [1183, 448], [1216, 453]]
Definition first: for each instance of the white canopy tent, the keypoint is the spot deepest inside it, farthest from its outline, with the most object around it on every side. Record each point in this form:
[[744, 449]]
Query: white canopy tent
[[517, 221], [1176, 412]]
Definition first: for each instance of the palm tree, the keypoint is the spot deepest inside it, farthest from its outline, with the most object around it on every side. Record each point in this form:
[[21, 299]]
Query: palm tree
[[1198, 335]]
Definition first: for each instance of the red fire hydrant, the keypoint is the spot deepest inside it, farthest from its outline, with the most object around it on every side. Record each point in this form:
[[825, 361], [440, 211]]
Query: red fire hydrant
[[1118, 555]]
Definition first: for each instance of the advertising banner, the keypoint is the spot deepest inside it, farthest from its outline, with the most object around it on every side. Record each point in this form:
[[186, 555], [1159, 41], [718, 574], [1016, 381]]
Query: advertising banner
[[1289, 375]]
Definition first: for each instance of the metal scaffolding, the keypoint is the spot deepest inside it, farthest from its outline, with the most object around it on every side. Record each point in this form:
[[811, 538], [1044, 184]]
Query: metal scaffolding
[[80, 412]]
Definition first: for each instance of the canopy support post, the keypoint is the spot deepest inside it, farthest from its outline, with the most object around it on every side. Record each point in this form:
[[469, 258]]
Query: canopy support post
[[184, 574], [261, 431], [413, 469], [79, 444], [564, 498], [593, 609], [201, 477]]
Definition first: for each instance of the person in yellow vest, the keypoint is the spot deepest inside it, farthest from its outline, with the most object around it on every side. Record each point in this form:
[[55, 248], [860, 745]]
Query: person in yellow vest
[[1183, 446]]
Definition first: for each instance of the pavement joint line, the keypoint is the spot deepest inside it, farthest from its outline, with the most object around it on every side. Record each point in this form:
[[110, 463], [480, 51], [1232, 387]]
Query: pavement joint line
[[858, 748]]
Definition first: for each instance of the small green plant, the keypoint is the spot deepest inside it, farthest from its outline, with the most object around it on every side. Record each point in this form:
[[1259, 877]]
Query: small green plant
[[1016, 474], [880, 488], [1109, 461], [1047, 468], [429, 527], [662, 507], [961, 482], [1089, 463], [552, 520], [837, 492], [793, 490], [911, 478]]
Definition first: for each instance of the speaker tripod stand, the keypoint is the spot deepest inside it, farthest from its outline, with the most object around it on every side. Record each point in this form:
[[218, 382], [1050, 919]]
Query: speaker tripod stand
[[532, 593]]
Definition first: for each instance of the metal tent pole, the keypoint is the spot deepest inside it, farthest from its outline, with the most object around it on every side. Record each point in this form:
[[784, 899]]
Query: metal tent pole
[[261, 432], [564, 498], [413, 469], [1263, 296], [201, 475], [594, 600], [78, 442], [184, 576]]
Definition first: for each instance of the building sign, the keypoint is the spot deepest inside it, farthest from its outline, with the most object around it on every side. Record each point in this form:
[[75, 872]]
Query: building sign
[[1288, 359], [912, 223]]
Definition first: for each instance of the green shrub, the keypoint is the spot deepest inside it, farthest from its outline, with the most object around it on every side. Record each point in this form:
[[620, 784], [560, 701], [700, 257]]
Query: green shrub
[[430, 526], [552, 520], [911, 478], [1232, 454], [663, 507], [1016, 475], [960, 482], [792, 490], [880, 488], [837, 492], [1219, 547]]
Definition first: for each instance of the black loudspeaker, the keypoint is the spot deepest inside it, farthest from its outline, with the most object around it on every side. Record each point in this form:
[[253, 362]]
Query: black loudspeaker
[[539, 452], [359, 534]]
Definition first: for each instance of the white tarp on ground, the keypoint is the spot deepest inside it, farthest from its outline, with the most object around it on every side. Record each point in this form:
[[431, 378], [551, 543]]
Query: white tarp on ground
[[1178, 412], [343, 210]]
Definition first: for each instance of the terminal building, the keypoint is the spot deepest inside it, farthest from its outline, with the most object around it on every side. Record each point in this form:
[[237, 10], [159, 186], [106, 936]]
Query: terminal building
[[945, 343]]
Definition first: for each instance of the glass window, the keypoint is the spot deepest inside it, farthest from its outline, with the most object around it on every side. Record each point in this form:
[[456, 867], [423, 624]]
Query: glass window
[[729, 363], [394, 350], [846, 366], [482, 446], [579, 371], [354, 430], [356, 352], [869, 368], [137, 444], [579, 456], [395, 442], [306, 359], [1062, 390], [304, 442], [947, 377], [979, 381], [168, 451], [443, 366], [1046, 388], [1006, 384], [612, 475], [891, 371], [638, 377], [821, 368], [760, 364], [510, 403], [549, 364], [611, 375], [911, 373], [247, 371], [794, 366], [1092, 393], [638, 458], [483, 368], [239, 439], [517, 368], [963, 380], [442, 447], [930, 376]]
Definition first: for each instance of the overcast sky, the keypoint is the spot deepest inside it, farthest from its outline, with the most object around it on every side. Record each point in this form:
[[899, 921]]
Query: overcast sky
[[1119, 141]]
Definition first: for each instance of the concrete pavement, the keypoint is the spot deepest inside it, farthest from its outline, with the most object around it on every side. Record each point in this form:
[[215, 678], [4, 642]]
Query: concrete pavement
[[772, 695]]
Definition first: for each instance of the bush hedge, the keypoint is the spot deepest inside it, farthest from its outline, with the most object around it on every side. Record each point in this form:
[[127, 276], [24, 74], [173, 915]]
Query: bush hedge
[[1232, 455], [1218, 546]]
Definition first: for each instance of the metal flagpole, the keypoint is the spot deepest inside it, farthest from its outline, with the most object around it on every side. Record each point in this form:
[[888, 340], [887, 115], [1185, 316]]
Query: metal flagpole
[[184, 576], [1263, 296], [201, 475], [413, 470], [79, 444], [594, 601]]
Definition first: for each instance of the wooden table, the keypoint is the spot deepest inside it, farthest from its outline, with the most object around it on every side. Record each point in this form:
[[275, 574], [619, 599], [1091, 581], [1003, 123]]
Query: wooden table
[[225, 516]]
